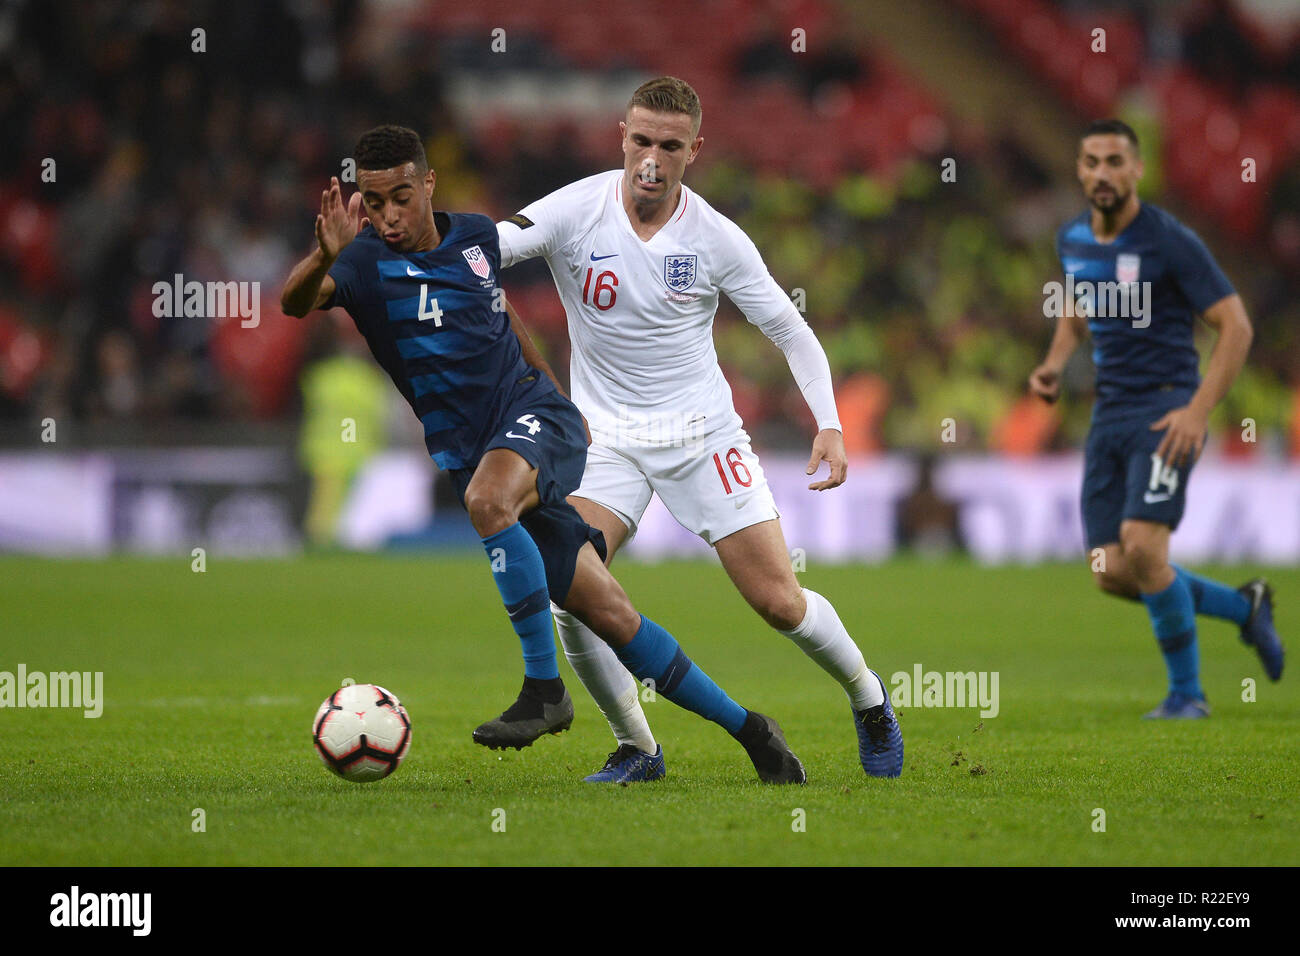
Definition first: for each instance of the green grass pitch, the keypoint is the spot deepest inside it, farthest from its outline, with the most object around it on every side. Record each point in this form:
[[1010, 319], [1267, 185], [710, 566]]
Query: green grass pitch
[[211, 681]]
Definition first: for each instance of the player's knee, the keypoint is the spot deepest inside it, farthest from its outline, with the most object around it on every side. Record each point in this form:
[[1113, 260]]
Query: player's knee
[[1147, 564], [613, 622], [607, 611], [783, 610], [1120, 585], [488, 511]]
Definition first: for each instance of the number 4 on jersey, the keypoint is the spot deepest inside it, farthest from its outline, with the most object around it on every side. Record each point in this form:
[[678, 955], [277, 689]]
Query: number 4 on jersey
[[529, 422], [429, 308]]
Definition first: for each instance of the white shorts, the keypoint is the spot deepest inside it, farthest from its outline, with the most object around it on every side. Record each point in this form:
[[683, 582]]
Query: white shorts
[[714, 485]]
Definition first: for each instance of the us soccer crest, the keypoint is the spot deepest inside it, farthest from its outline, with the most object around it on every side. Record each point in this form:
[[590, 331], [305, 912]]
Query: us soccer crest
[[477, 261], [679, 272], [1127, 266]]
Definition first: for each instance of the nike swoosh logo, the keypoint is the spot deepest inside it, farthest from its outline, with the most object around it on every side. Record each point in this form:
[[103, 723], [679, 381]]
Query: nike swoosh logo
[[418, 275], [1151, 499], [596, 258], [524, 437]]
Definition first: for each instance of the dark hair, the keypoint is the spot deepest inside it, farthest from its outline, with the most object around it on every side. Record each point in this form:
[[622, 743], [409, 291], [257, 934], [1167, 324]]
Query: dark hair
[[1104, 127], [385, 147]]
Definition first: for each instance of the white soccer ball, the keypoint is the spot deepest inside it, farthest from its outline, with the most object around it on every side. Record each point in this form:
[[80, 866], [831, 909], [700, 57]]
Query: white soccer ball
[[362, 732]]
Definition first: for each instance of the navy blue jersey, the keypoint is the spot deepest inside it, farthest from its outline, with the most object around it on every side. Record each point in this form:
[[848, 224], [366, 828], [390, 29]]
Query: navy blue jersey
[[1139, 360], [429, 320]]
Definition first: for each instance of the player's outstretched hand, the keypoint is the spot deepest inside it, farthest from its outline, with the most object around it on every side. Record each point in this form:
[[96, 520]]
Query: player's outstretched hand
[[828, 446], [337, 225], [1184, 436], [1045, 382]]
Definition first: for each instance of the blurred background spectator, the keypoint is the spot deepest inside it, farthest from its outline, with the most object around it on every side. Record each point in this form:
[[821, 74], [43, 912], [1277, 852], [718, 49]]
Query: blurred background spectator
[[137, 149]]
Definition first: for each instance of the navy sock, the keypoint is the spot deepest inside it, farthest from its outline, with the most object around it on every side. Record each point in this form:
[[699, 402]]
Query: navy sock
[[654, 654], [1215, 599], [1173, 617], [521, 578]]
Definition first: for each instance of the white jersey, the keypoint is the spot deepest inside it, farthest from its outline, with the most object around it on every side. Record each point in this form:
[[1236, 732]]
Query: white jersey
[[641, 312]]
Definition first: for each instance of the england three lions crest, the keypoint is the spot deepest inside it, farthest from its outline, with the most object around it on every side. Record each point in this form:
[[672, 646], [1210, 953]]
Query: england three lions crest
[[679, 272]]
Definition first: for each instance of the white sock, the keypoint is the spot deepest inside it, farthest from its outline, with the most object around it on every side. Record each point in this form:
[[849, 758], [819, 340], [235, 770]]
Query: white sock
[[822, 637], [614, 689]]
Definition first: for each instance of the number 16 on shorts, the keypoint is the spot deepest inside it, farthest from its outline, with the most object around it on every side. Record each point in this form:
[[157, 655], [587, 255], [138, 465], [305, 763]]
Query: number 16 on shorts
[[734, 475]]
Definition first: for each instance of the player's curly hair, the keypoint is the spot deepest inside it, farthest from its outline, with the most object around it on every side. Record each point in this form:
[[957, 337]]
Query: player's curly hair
[[667, 94], [385, 147]]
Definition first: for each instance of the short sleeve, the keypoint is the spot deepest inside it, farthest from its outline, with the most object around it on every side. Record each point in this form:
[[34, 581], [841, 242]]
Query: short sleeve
[[347, 282], [743, 277], [1195, 271], [536, 230], [490, 242]]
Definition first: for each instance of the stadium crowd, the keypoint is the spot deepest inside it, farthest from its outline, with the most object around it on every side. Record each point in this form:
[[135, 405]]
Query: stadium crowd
[[137, 150]]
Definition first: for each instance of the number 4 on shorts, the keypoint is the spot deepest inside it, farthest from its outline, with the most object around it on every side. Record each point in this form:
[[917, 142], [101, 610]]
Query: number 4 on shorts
[[530, 422]]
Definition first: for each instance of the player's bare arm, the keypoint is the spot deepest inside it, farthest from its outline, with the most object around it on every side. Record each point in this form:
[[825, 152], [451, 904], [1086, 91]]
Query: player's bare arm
[[1045, 381], [531, 355], [1185, 427], [534, 358], [309, 286]]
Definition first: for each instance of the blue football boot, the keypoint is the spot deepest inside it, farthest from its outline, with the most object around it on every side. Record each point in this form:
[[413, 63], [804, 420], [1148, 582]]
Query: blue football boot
[[1179, 707], [880, 741], [1258, 631], [629, 765]]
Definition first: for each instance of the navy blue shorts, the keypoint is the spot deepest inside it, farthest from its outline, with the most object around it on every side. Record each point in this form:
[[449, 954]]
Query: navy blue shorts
[[1123, 479], [545, 429]]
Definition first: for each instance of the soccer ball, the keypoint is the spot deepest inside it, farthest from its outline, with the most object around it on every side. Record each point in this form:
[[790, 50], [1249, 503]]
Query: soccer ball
[[362, 732]]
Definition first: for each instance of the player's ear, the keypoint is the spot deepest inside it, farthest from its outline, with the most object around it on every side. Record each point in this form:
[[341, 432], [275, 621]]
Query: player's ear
[[695, 149], [430, 180], [622, 132]]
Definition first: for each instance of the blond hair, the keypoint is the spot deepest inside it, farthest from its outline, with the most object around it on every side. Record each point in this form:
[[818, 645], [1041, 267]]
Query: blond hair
[[667, 94]]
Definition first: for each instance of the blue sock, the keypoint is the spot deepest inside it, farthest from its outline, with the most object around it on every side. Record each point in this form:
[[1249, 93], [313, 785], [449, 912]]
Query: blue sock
[[521, 578], [654, 654], [1174, 619], [1215, 599]]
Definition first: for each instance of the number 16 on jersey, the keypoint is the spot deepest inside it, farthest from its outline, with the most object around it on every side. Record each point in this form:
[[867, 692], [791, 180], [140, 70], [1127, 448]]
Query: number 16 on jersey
[[605, 293]]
